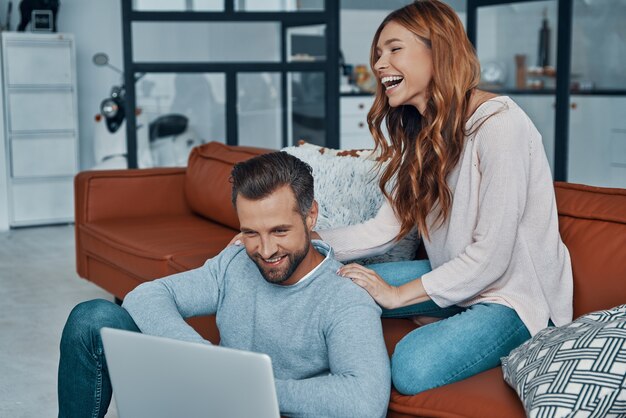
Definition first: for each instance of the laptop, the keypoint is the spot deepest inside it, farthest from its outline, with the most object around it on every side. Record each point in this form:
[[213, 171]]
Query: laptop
[[156, 377]]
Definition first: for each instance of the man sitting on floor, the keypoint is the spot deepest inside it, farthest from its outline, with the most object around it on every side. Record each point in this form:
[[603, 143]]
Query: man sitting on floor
[[281, 296]]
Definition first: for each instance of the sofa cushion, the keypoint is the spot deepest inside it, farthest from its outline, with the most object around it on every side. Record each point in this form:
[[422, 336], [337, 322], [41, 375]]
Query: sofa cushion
[[577, 369], [207, 184], [485, 395], [347, 191], [592, 222], [144, 246], [188, 261]]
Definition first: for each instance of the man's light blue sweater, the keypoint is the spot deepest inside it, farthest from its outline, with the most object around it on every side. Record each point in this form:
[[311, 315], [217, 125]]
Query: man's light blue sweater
[[323, 333]]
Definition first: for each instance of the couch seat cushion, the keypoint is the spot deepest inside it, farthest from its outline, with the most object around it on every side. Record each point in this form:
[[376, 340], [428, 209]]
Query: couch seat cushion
[[144, 246], [485, 395]]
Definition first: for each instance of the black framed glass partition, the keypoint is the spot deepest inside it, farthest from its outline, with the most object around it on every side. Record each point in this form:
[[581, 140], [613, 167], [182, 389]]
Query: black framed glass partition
[[524, 47], [249, 72], [569, 77]]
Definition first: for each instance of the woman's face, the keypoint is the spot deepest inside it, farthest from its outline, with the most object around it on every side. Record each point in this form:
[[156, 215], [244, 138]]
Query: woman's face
[[404, 66]]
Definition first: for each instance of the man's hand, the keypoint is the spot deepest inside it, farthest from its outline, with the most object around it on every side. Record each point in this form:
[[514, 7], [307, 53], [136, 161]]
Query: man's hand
[[384, 294], [237, 239]]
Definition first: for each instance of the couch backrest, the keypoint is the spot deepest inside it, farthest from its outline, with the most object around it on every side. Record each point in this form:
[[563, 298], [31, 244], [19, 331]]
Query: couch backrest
[[592, 221], [207, 185]]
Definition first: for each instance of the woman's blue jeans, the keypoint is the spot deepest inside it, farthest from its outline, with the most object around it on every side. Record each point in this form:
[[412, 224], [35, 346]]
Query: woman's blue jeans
[[84, 387], [468, 341]]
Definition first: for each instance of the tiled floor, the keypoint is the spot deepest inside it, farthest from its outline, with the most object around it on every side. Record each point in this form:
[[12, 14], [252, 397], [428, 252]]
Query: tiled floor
[[38, 288]]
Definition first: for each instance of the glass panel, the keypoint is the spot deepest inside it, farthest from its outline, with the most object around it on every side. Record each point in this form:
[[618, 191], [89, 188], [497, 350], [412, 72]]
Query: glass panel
[[202, 41], [179, 5], [306, 43], [307, 110], [518, 55], [597, 127], [514, 49], [178, 112], [279, 5], [259, 112], [599, 45]]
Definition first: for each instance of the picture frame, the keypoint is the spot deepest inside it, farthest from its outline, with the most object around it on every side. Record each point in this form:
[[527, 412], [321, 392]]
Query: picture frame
[[41, 21]]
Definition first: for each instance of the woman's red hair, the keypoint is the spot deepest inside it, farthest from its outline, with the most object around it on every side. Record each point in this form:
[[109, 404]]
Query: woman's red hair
[[424, 149]]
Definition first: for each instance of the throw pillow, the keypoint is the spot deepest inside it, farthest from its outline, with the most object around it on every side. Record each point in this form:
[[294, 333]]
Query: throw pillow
[[346, 189], [577, 370]]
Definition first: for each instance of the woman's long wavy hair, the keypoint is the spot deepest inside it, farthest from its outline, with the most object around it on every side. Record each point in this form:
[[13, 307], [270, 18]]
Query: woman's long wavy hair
[[424, 149]]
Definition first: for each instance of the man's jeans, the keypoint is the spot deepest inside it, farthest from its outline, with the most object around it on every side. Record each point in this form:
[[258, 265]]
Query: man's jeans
[[84, 386], [468, 341]]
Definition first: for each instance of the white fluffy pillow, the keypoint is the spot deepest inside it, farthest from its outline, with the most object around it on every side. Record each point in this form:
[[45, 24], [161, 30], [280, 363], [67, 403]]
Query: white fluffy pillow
[[346, 189]]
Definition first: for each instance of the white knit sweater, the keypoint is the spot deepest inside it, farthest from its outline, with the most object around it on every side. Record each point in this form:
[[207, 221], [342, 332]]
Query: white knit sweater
[[501, 242]]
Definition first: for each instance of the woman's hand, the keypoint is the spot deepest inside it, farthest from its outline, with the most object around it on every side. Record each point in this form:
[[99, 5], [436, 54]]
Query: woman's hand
[[384, 294], [237, 239]]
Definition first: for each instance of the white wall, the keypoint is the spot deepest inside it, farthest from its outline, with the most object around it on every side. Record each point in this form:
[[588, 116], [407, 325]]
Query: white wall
[[97, 27], [4, 204]]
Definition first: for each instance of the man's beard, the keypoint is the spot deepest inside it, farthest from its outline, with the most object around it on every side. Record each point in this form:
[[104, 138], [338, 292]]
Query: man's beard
[[281, 274]]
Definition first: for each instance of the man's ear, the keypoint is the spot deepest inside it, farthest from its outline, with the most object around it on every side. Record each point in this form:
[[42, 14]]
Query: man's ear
[[311, 217]]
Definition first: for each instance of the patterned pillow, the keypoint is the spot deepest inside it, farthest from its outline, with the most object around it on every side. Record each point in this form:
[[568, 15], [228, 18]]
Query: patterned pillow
[[346, 189], [577, 370]]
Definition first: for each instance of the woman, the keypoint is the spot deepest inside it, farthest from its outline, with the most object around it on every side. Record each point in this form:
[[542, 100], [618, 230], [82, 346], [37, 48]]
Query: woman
[[467, 169]]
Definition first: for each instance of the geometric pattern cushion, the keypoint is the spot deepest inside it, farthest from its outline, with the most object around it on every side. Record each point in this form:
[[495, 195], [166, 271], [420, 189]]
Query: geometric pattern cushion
[[577, 370]]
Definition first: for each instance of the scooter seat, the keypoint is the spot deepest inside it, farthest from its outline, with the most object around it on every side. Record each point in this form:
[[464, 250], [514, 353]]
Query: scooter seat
[[167, 125]]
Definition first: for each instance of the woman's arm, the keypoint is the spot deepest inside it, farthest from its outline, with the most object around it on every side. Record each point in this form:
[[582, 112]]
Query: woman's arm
[[386, 295], [372, 237]]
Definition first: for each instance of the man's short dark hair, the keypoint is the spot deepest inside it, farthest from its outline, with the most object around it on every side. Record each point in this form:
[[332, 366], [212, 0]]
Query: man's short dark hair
[[260, 176]]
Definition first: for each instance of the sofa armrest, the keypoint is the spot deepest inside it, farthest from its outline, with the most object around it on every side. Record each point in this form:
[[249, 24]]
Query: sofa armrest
[[110, 194], [113, 194]]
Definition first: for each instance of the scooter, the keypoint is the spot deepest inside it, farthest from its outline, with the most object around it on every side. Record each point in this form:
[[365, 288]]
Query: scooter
[[164, 142]]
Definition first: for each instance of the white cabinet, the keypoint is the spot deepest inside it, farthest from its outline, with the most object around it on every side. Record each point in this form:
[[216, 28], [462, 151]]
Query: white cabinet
[[597, 141], [354, 133], [40, 127]]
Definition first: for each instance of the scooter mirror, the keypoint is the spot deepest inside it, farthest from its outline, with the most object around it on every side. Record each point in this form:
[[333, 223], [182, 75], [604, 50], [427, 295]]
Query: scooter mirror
[[100, 59]]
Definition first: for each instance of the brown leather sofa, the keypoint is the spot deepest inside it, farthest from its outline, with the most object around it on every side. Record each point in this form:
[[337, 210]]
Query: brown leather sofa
[[138, 225]]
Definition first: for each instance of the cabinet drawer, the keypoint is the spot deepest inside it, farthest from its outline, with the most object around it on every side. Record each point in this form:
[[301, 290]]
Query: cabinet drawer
[[356, 105], [41, 111], [44, 201], [35, 157], [354, 125], [36, 63]]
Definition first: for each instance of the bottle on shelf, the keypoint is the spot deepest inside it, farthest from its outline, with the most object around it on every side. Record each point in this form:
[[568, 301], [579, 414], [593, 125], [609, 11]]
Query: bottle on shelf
[[543, 56]]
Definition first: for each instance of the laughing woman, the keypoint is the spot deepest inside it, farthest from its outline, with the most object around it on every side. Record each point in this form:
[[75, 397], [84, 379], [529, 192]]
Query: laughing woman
[[468, 170]]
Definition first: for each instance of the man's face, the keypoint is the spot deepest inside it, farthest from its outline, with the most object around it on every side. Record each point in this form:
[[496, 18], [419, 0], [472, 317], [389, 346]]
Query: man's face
[[276, 237]]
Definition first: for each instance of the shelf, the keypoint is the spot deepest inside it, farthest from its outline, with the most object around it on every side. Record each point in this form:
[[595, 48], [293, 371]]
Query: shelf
[[599, 92]]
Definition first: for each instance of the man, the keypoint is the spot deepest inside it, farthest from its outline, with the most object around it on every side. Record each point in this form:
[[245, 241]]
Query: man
[[277, 294]]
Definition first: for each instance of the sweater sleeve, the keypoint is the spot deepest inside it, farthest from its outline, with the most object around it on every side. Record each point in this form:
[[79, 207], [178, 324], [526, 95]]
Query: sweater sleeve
[[160, 306], [503, 145], [370, 238], [359, 381]]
